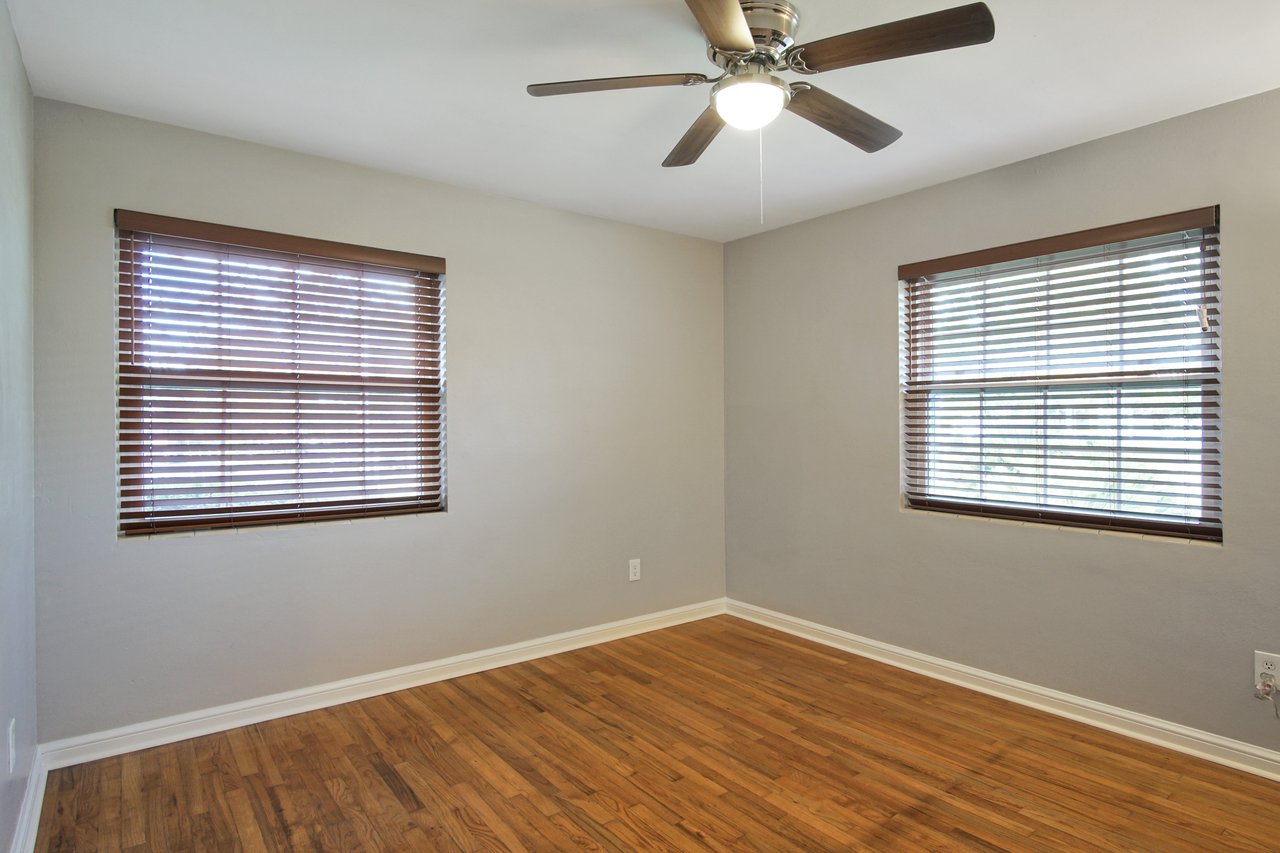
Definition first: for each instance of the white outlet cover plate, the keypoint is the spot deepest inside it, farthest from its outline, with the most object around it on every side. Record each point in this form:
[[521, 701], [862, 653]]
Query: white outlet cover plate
[[1268, 662]]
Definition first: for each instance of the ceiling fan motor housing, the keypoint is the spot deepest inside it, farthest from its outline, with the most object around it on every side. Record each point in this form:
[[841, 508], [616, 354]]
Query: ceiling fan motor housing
[[773, 26]]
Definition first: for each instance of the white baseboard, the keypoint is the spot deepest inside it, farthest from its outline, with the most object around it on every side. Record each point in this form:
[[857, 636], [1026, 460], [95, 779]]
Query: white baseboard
[[77, 750], [24, 835], [1221, 750]]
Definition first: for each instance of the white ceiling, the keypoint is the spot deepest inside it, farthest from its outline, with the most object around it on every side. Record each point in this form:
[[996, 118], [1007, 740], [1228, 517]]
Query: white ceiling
[[436, 89]]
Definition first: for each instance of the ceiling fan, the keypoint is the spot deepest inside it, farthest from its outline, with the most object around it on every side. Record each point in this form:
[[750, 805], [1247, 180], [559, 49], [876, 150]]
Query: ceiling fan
[[751, 39]]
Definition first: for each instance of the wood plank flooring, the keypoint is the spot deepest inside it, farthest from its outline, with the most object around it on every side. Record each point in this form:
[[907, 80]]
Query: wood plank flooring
[[718, 735]]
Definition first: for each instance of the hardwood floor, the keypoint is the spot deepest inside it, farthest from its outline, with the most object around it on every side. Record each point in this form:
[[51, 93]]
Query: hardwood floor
[[718, 734]]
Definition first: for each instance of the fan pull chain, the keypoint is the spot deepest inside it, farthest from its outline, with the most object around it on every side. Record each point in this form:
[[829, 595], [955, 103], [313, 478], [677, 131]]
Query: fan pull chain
[[761, 175]]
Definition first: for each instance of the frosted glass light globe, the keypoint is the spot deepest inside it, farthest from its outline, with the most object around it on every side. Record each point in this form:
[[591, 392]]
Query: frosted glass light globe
[[749, 101]]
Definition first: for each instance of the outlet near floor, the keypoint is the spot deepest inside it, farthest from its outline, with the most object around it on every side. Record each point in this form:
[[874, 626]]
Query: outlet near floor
[[633, 571], [1266, 663]]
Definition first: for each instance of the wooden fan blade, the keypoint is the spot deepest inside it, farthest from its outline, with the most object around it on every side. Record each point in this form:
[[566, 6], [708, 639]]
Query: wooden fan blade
[[601, 84], [723, 24], [958, 27], [844, 120], [695, 139]]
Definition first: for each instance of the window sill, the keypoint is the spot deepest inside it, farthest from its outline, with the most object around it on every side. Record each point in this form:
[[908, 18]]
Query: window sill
[[274, 528], [1087, 531]]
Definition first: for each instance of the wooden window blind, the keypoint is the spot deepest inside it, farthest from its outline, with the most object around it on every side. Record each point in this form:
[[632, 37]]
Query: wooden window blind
[[1073, 381], [266, 379]]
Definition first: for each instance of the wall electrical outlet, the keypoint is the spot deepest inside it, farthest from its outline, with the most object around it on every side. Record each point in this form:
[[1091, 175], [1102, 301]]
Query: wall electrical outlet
[[1266, 663], [633, 571], [13, 743]]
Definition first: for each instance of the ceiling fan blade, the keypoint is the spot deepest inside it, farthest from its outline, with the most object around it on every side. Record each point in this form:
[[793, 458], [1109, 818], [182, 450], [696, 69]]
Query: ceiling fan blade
[[695, 139], [723, 24], [601, 84], [844, 120], [958, 27]]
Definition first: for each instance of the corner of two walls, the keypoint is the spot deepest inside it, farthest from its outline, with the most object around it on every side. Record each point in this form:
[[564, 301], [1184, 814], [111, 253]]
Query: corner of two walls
[[17, 435]]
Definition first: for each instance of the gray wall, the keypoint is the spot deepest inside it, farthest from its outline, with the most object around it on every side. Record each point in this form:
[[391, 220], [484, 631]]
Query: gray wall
[[814, 527], [17, 495], [595, 387], [585, 428]]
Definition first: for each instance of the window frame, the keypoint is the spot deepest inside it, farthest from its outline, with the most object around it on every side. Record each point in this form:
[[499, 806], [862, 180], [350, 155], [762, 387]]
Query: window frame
[[1209, 526], [422, 391]]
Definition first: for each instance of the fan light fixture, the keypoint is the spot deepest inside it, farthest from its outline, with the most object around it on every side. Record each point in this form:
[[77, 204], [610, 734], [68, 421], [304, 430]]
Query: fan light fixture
[[751, 40], [749, 101]]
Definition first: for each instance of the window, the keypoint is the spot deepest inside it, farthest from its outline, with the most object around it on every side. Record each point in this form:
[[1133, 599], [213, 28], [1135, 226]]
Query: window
[[267, 379], [1072, 380]]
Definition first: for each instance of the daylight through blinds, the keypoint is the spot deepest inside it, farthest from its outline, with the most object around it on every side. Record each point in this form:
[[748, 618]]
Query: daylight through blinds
[[1077, 387], [260, 386]]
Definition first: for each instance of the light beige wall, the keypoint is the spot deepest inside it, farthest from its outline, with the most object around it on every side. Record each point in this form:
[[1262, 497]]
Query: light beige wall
[[17, 492], [814, 526], [585, 428]]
